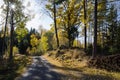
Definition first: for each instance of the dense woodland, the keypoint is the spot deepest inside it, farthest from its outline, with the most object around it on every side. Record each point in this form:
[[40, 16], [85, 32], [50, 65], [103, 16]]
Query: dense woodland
[[90, 25]]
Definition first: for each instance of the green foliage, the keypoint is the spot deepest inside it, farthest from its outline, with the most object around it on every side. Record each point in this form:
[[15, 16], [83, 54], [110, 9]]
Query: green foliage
[[39, 45], [63, 38], [49, 35], [21, 37], [21, 31], [33, 40], [44, 44], [59, 1], [76, 43]]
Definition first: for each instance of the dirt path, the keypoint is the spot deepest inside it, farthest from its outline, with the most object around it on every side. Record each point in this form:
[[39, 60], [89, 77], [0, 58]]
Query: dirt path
[[41, 69]]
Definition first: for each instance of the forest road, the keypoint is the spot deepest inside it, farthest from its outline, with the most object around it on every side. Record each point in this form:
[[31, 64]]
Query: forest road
[[40, 69]]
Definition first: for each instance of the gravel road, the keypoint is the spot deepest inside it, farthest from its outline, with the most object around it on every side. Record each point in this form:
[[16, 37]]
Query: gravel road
[[40, 70]]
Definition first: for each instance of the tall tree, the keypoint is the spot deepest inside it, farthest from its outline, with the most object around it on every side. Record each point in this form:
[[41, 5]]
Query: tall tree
[[54, 15], [69, 19], [6, 22], [55, 25], [95, 30], [11, 36], [85, 30]]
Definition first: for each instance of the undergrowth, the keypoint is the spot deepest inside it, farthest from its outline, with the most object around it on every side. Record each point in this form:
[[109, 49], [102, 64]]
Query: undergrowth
[[11, 70]]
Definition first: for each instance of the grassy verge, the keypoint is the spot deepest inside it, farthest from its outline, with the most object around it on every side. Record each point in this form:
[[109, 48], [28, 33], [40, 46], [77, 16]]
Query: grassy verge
[[78, 69], [103, 73], [17, 67]]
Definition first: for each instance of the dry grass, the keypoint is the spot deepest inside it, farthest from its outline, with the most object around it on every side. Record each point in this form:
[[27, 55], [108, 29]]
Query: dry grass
[[60, 67], [93, 71], [77, 69]]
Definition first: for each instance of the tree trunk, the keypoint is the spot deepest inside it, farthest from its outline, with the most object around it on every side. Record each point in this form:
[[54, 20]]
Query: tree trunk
[[69, 42], [6, 21], [95, 31], [11, 36], [85, 30], [103, 29], [68, 30], [55, 25]]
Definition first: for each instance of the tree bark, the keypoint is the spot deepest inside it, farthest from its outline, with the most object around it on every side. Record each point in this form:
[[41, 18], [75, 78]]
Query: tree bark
[[11, 36], [68, 30], [95, 30], [85, 30], [55, 25], [6, 21]]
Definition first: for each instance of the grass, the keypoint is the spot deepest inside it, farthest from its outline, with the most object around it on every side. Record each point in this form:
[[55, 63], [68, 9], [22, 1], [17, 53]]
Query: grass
[[93, 71], [18, 67]]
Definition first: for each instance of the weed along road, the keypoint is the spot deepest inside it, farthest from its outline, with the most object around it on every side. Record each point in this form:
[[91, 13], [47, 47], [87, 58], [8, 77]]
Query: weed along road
[[40, 69]]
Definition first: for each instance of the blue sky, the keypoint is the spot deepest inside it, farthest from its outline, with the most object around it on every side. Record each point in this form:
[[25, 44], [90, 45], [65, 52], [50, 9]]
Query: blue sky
[[34, 8], [37, 8]]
